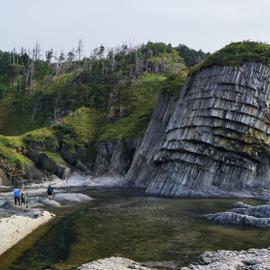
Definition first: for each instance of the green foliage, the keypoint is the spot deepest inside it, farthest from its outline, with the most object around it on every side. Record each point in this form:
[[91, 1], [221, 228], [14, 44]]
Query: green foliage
[[12, 141], [14, 156], [190, 56], [55, 157], [79, 127], [42, 69], [142, 102], [174, 82], [41, 139], [236, 53]]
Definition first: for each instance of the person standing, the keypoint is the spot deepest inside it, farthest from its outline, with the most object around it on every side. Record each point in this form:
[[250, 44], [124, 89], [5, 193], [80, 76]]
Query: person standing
[[17, 196], [23, 198], [50, 192]]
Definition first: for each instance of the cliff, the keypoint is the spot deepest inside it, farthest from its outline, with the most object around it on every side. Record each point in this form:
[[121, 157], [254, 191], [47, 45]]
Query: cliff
[[216, 142]]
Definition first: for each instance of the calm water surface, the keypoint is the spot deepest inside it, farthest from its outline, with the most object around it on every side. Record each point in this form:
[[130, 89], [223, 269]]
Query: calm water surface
[[163, 232]]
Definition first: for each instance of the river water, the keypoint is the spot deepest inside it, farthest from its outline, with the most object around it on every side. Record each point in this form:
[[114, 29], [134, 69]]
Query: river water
[[165, 233]]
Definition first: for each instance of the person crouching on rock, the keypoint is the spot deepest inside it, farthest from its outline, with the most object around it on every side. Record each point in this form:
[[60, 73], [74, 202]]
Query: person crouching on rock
[[50, 192], [17, 196]]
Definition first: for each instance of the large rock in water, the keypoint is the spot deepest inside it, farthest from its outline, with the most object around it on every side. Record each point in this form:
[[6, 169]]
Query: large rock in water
[[217, 140]]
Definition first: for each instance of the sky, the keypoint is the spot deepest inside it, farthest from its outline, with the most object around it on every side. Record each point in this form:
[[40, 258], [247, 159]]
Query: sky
[[200, 24]]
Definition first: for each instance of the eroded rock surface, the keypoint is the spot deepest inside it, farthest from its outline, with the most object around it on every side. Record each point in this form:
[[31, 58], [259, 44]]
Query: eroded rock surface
[[217, 140]]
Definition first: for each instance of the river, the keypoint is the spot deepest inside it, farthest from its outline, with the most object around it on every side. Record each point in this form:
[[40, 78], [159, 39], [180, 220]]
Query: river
[[165, 233]]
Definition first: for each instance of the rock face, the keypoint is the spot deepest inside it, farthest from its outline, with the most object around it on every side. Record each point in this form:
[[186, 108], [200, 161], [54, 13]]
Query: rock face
[[217, 140], [42, 161], [244, 215], [253, 259], [114, 158]]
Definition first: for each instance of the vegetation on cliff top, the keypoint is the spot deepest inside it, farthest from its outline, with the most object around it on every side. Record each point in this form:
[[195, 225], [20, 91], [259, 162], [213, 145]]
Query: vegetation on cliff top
[[235, 54]]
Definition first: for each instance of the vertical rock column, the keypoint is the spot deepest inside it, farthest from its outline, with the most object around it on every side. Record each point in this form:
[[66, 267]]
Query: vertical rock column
[[217, 140]]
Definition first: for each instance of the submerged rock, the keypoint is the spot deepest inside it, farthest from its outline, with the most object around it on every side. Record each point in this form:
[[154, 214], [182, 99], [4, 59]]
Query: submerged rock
[[252, 259], [72, 197], [113, 263], [247, 215], [216, 143]]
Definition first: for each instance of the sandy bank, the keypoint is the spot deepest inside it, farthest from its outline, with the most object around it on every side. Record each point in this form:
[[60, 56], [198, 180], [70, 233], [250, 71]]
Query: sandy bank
[[15, 228]]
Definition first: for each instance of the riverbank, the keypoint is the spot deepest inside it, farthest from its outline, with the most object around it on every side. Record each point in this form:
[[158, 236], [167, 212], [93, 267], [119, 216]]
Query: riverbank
[[16, 227], [134, 220]]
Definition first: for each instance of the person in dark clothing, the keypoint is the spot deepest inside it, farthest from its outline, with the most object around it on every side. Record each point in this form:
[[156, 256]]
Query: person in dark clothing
[[23, 197], [50, 192], [17, 196]]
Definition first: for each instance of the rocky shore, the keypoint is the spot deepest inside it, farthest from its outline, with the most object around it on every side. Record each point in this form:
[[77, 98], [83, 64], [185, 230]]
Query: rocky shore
[[244, 215], [16, 227], [252, 259]]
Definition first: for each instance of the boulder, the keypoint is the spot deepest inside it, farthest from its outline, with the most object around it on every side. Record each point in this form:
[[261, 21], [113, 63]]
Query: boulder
[[72, 197], [113, 263]]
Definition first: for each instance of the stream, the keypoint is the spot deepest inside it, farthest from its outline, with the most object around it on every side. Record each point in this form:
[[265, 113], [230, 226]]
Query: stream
[[164, 233]]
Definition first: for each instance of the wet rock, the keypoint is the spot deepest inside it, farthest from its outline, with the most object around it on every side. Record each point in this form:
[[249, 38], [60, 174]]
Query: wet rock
[[72, 197], [48, 202], [216, 142], [253, 259], [113, 263], [247, 215]]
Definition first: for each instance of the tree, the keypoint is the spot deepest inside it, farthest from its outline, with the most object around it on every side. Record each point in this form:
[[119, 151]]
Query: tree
[[79, 49], [49, 55], [70, 55], [61, 57], [37, 52]]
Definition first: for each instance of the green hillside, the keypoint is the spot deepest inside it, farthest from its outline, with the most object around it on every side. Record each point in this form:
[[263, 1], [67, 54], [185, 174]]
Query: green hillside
[[57, 111]]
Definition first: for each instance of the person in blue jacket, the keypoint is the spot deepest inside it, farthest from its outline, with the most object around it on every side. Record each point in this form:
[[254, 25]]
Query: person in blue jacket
[[17, 196]]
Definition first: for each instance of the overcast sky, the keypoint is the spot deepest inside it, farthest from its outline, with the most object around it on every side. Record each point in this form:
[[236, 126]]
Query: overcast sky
[[205, 24]]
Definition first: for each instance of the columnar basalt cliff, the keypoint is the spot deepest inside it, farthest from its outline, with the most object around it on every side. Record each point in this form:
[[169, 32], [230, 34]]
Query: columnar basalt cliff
[[217, 140]]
